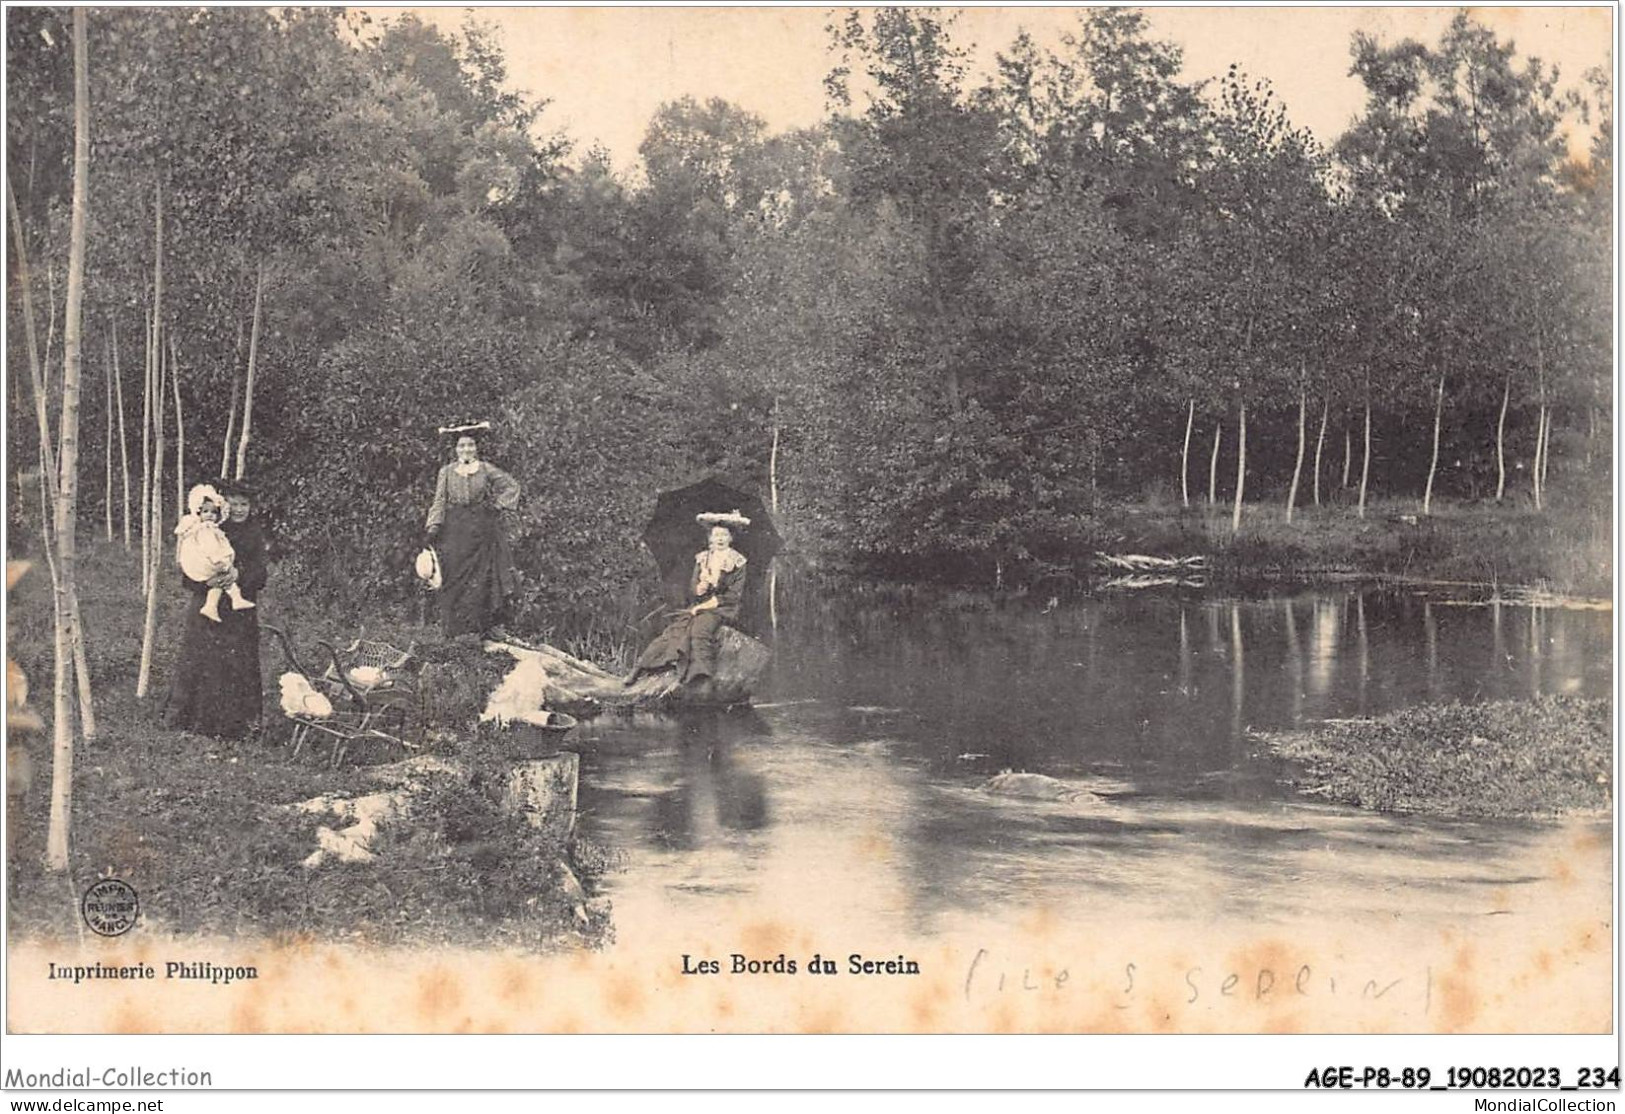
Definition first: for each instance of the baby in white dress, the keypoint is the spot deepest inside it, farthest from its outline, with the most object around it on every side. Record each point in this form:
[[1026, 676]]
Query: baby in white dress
[[204, 553]]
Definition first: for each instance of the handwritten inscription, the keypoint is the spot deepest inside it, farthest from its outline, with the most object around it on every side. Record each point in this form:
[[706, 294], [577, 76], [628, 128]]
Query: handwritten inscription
[[1200, 986]]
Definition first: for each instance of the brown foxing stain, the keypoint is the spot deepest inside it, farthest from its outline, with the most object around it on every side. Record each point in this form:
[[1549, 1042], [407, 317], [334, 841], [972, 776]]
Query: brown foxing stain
[[874, 844], [724, 1006], [128, 1019], [515, 982], [763, 939], [923, 1013], [1102, 1019], [1591, 839], [253, 999], [1458, 997], [247, 1018], [1042, 923], [1001, 1020], [437, 995], [1283, 1023], [1265, 967], [624, 997], [1543, 962], [826, 1020], [1503, 20]]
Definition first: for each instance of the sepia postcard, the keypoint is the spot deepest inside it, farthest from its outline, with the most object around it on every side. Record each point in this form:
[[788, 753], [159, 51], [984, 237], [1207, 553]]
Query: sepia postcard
[[782, 520]]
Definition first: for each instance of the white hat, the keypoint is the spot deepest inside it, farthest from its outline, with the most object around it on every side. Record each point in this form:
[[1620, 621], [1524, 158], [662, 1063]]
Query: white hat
[[428, 569], [721, 518]]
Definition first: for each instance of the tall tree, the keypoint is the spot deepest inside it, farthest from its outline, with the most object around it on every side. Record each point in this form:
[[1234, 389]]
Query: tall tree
[[67, 506]]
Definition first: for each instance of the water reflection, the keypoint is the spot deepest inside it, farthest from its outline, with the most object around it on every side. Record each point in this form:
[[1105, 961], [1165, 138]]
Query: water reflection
[[712, 790], [856, 786]]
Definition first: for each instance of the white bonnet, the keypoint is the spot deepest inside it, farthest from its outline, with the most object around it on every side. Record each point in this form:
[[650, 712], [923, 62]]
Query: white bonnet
[[201, 494]]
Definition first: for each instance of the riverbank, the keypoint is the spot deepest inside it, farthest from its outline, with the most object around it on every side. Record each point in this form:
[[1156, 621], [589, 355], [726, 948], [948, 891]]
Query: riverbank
[[1565, 550], [208, 833], [1545, 758], [1569, 550]]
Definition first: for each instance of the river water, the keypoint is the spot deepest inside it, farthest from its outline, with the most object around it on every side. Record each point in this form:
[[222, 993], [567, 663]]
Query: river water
[[851, 794]]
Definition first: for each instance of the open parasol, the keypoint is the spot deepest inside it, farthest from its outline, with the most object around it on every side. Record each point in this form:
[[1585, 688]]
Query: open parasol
[[673, 536]]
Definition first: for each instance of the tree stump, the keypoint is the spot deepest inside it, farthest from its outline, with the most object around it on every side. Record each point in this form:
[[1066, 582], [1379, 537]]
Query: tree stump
[[544, 792]]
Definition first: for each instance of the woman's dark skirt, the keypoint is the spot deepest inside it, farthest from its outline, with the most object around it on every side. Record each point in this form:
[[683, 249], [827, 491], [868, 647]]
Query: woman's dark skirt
[[476, 571], [217, 689]]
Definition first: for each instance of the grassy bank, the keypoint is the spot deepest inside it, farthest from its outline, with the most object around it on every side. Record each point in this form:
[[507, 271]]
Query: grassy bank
[[1543, 758], [201, 829], [1566, 548]]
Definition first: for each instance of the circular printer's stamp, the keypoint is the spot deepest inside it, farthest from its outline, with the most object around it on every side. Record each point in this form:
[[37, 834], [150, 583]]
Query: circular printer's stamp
[[110, 907]]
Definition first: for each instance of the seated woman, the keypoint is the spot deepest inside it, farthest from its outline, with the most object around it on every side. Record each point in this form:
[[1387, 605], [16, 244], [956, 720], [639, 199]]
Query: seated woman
[[465, 526], [692, 639]]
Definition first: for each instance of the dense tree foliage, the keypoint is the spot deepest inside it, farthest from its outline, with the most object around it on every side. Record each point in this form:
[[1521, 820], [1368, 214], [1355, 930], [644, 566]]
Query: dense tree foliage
[[952, 319]]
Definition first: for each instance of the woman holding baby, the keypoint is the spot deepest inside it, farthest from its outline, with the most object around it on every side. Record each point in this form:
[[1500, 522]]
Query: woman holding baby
[[220, 548]]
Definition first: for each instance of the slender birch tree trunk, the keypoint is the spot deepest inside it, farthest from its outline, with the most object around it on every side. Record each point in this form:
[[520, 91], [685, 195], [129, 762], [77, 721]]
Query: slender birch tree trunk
[[56, 841], [248, 385], [154, 402], [107, 420], [50, 332], [1297, 465], [231, 419], [180, 425], [61, 612], [1213, 465], [773, 505], [1545, 453], [148, 375], [1433, 464], [1542, 426], [1185, 457], [155, 533], [1320, 442], [1365, 461], [47, 454], [123, 443], [1241, 467], [1501, 441], [1540, 449], [1348, 453]]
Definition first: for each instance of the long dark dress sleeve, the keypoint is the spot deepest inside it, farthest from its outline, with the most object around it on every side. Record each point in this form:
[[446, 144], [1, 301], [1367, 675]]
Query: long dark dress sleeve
[[248, 540], [437, 506], [504, 489]]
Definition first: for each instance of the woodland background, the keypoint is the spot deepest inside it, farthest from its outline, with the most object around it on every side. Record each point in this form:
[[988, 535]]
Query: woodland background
[[945, 327]]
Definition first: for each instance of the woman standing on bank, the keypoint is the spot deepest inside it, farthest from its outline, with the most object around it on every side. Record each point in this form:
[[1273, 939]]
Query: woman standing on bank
[[465, 527]]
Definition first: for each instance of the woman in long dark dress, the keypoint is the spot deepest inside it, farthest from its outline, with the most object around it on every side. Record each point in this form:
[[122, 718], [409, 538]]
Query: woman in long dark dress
[[465, 527], [693, 639], [217, 688]]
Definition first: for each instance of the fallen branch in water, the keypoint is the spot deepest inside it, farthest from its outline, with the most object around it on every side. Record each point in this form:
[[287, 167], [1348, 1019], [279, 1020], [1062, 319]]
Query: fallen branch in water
[[1141, 562]]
